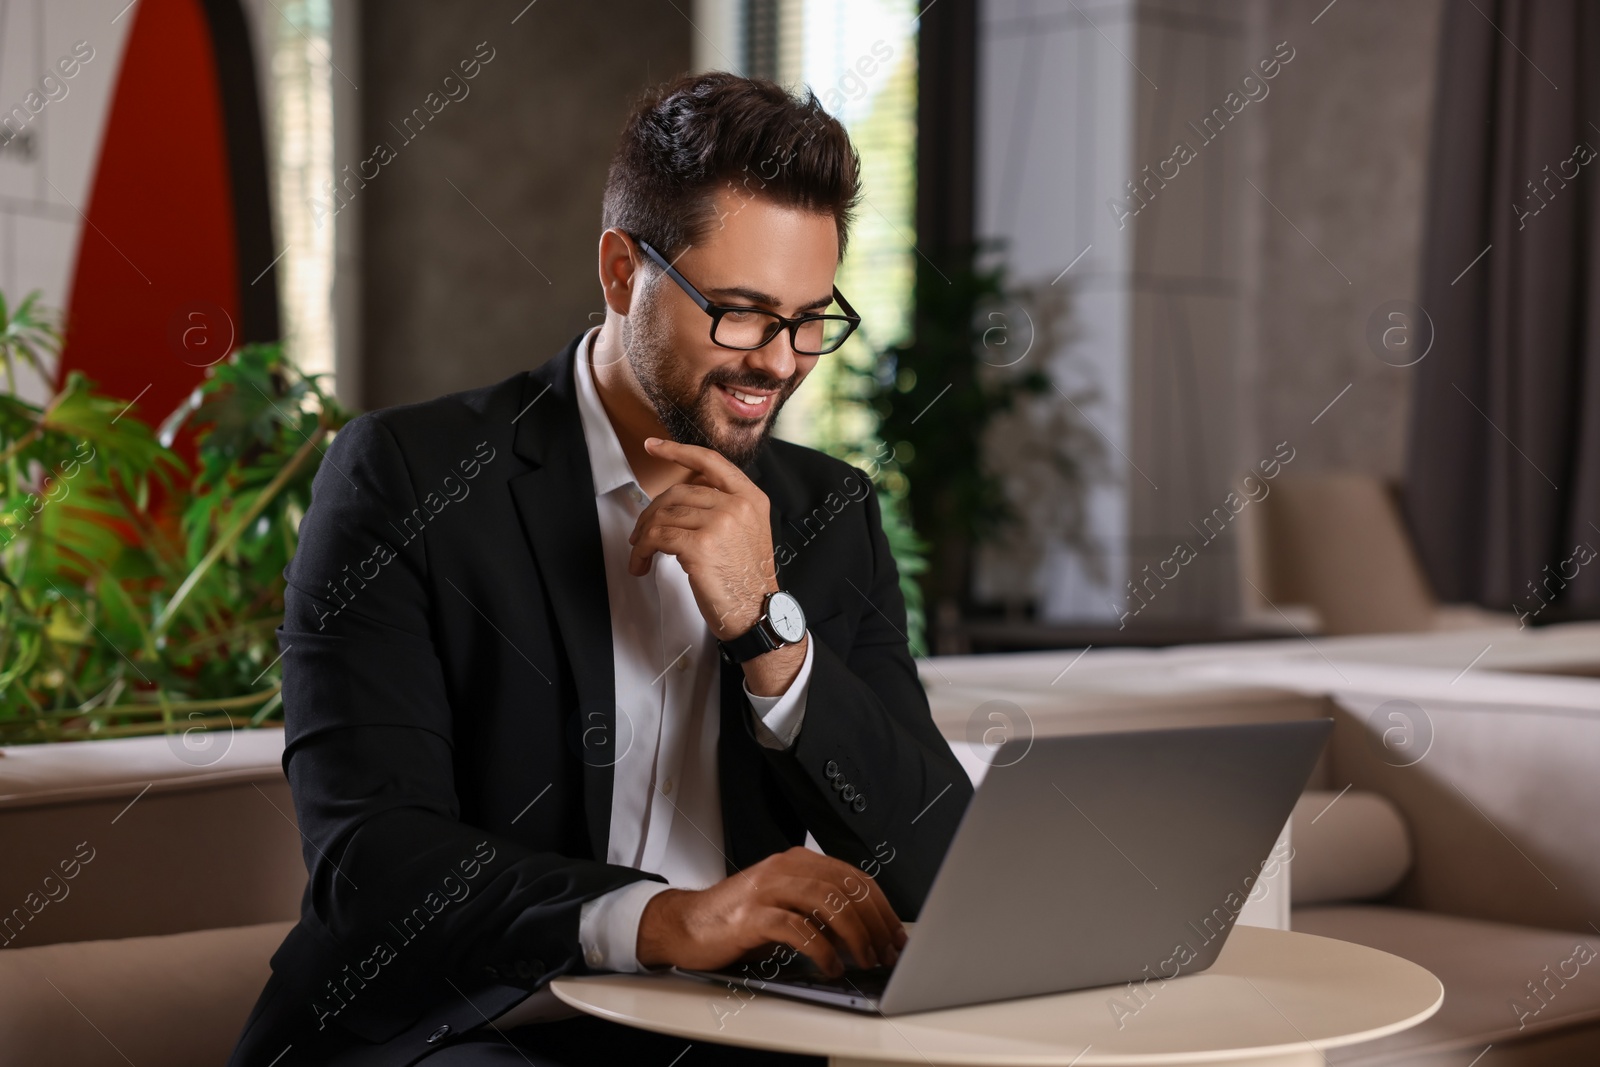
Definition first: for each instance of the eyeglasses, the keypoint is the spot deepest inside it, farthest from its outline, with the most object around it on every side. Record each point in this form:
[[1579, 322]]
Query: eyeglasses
[[748, 328]]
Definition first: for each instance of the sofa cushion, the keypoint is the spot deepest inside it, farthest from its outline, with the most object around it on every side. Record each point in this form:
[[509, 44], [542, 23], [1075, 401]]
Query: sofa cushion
[[1503, 985], [179, 1000], [1347, 846]]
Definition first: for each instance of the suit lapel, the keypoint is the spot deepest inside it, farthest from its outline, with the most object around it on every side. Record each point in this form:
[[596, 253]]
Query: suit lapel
[[555, 501]]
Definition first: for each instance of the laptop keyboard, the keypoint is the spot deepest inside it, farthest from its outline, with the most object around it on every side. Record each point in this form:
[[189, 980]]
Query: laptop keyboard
[[868, 982]]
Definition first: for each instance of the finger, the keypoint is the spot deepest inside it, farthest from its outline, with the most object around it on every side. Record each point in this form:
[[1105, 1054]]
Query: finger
[[807, 863], [847, 929], [882, 924], [717, 470], [897, 929], [693, 492], [844, 925], [873, 900], [681, 495], [759, 953], [673, 539], [867, 901], [880, 903], [699, 479], [781, 925], [682, 516], [813, 924]]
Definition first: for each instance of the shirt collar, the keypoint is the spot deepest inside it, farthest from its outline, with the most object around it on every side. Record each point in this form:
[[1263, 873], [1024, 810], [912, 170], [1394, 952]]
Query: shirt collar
[[608, 464]]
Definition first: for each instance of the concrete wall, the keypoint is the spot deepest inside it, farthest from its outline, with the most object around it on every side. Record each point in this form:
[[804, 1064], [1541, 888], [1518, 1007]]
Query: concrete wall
[[479, 237], [1192, 240], [1220, 311], [1346, 159]]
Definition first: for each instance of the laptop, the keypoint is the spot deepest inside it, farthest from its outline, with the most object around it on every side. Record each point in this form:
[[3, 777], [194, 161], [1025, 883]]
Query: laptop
[[1092, 860]]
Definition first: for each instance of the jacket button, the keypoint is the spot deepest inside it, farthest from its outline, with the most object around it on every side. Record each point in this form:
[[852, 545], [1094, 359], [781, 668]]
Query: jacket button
[[439, 1034], [537, 966], [848, 792], [492, 972], [830, 769], [860, 802]]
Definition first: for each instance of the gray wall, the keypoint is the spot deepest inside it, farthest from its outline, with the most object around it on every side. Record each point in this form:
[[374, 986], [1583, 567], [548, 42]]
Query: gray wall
[[1227, 314], [1257, 274], [1346, 159], [463, 288], [1192, 249]]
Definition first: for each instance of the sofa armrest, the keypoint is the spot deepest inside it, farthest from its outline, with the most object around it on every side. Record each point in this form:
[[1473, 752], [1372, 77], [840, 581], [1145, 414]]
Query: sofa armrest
[[1499, 797], [136, 836]]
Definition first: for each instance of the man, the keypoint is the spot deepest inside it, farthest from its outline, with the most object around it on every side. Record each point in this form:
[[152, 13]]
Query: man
[[574, 663]]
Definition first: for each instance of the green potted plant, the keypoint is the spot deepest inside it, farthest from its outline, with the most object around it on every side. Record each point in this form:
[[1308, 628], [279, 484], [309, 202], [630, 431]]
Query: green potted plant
[[956, 398], [139, 596]]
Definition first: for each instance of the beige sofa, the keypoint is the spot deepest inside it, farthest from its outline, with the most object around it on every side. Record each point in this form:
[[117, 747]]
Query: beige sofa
[[144, 889], [1351, 848], [1499, 795], [146, 886]]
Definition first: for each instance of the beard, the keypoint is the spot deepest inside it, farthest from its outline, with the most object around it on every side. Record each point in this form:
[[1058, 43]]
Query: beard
[[685, 404]]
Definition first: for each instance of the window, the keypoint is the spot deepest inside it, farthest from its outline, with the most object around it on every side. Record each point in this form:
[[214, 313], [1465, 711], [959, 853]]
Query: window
[[860, 58], [296, 39]]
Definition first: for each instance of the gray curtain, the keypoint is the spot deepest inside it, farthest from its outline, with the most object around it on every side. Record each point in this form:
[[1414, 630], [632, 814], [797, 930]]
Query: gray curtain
[[1503, 479]]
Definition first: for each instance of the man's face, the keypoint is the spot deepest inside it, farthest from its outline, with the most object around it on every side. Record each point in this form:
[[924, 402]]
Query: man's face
[[757, 254]]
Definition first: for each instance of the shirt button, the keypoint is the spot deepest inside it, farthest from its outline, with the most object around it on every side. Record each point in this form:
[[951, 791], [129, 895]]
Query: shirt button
[[596, 957], [638, 495], [683, 662], [667, 788]]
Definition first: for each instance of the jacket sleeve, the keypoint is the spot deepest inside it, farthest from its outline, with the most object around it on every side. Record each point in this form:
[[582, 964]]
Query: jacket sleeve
[[406, 890], [870, 774]]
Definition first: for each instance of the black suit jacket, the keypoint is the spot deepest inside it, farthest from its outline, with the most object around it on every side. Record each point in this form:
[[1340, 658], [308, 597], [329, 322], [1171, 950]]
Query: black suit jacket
[[450, 724]]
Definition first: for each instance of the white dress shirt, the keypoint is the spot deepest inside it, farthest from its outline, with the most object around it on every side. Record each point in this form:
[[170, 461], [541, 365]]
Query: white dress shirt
[[666, 804]]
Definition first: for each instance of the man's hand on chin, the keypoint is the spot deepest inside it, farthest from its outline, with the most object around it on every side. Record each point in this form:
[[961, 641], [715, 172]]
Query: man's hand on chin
[[718, 525], [775, 901]]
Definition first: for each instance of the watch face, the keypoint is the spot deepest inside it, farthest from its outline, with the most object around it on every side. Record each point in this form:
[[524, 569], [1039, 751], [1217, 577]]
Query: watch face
[[788, 621]]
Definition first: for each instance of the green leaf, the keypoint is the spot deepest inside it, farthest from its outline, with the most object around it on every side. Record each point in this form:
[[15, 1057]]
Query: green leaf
[[91, 577]]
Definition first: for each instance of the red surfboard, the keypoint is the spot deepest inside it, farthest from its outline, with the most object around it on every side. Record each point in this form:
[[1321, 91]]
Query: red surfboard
[[174, 259]]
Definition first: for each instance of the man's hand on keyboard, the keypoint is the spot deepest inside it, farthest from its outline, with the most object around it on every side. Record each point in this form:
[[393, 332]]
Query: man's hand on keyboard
[[817, 905]]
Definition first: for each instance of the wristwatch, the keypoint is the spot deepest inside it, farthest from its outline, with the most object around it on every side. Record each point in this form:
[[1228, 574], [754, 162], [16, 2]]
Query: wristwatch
[[782, 622]]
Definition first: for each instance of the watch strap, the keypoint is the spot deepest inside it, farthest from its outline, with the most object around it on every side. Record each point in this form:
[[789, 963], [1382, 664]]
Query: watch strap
[[750, 644]]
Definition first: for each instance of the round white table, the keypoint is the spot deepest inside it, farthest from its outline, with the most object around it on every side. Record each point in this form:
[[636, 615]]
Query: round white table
[[1273, 999]]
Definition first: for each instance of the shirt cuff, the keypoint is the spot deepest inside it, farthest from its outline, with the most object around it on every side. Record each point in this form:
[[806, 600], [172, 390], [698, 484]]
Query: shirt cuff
[[608, 926], [777, 719]]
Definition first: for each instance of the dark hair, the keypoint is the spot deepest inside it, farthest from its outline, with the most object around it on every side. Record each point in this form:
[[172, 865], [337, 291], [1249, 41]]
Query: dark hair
[[700, 132]]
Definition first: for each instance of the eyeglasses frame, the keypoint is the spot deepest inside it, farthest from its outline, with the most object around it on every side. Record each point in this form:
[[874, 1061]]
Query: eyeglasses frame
[[716, 311]]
